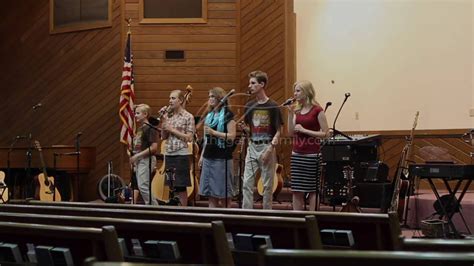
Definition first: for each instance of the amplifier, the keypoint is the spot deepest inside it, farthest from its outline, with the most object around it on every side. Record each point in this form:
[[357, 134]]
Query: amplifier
[[374, 195]]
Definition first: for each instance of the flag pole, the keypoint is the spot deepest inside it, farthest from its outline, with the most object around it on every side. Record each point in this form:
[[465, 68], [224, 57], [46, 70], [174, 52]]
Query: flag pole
[[129, 22]]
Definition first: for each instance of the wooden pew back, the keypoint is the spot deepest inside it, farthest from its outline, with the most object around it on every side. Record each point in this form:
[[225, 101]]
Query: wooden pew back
[[438, 245], [82, 242], [285, 257], [285, 232], [196, 241], [371, 231]]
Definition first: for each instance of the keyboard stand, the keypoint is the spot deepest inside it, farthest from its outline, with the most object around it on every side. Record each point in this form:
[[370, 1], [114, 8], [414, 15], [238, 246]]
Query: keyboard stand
[[457, 203]]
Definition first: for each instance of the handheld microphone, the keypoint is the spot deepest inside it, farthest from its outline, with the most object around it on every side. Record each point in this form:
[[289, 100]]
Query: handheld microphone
[[347, 94], [21, 137], [226, 97], [36, 106], [288, 102]]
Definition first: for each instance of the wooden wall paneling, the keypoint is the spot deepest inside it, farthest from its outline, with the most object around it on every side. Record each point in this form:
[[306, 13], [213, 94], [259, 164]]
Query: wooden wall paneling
[[269, 49], [30, 70], [187, 70], [270, 57], [184, 46], [262, 42], [188, 62], [258, 22], [72, 74], [250, 10], [95, 105], [210, 56], [44, 84], [169, 38], [82, 81], [32, 94]]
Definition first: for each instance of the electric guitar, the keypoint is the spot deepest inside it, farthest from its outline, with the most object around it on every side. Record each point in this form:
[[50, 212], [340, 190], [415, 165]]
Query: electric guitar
[[47, 190], [3, 188]]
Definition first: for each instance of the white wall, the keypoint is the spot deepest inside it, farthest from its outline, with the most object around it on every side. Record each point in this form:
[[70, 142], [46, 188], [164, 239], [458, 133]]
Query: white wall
[[394, 56]]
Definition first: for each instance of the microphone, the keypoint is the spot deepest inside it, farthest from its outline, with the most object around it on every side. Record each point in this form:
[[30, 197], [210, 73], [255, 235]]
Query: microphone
[[151, 126], [289, 101], [226, 97], [78, 135], [153, 120], [347, 94], [21, 137], [327, 105], [36, 106]]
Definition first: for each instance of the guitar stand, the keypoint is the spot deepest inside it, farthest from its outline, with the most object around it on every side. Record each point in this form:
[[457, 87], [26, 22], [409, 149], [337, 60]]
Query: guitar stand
[[173, 200]]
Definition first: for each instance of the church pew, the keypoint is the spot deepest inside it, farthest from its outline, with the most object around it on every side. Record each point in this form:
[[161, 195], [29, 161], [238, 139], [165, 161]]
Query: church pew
[[285, 232], [287, 257], [372, 231], [438, 245], [82, 242], [197, 242]]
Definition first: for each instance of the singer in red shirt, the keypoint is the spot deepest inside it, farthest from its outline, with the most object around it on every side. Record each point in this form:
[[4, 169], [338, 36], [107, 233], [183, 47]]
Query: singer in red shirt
[[308, 125]]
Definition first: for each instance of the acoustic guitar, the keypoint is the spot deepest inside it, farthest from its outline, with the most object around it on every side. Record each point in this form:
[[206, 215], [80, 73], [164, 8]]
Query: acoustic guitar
[[397, 204], [47, 189], [159, 188], [3, 188], [277, 182]]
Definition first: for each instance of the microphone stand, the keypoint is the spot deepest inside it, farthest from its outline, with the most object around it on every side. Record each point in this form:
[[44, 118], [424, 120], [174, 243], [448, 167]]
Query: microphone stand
[[53, 187], [76, 181], [241, 165], [337, 132], [149, 164], [225, 159], [194, 170], [29, 177], [132, 173], [9, 165]]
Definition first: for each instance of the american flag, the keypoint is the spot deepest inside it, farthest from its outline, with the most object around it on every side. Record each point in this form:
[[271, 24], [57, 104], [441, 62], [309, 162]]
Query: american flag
[[127, 97]]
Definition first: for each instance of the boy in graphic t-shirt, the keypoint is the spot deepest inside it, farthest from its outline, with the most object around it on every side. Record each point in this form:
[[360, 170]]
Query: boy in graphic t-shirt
[[263, 123]]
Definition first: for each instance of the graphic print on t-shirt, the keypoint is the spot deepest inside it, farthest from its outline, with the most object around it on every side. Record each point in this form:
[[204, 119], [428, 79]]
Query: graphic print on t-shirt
[[137, 142], [261, 125]]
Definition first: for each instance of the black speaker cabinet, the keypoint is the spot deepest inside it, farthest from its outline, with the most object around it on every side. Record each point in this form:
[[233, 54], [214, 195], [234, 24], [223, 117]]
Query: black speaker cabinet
[[371, 172], [374, 195]]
